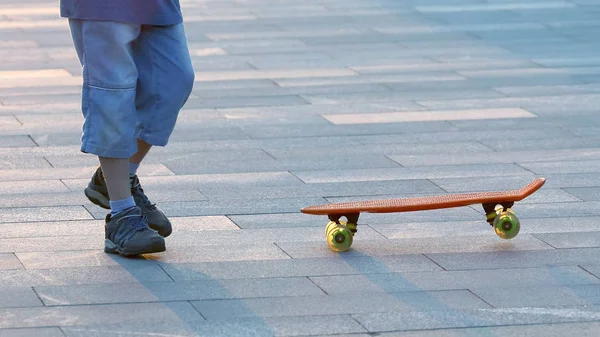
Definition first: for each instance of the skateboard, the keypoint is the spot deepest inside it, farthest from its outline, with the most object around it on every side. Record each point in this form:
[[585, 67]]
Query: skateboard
[[496, 205]]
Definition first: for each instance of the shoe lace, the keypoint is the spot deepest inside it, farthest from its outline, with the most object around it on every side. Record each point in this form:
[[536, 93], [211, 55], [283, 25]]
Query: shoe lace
[[133, 222], [138, 192]]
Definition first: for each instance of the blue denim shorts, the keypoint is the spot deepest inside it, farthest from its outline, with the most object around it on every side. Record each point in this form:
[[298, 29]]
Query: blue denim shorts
[[136, 78]]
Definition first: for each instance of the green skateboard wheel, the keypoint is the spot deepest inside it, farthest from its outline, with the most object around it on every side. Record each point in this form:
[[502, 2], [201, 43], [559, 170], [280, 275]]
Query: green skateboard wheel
[[507, 225], [339, 237]]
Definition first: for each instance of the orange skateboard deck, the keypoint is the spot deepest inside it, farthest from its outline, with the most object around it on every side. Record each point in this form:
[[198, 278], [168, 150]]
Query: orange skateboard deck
[[497, 206]]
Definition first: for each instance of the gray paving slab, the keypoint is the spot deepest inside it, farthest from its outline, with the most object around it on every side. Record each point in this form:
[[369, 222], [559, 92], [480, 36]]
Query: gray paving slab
[[585, 193], [38, 332], [176, 291], [16, 141], [540, 296], [325, 190], [423, 95], [593, 269], [43, 214], [127, 273], [17, 297], [55, 259], [334, 304], [14, 162], [516, 259], [550, 158], [120, 314], [299, 267], [447, 280], [486, 243], [474, 318], [264, 132], [279, 326], [563, 167], [199, 166], [571, 240], [44, 186], [585, 329], [429, 172], [9, 262], [386, 149]]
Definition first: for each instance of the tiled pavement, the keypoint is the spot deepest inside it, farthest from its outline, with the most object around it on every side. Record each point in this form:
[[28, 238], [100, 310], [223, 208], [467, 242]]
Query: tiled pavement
[[298, 103]]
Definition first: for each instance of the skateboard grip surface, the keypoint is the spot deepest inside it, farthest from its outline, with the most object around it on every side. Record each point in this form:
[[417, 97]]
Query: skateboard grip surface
[[426, 203]]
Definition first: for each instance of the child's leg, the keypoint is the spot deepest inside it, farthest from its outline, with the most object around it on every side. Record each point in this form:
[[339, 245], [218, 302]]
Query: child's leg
[[165, 82], [108, 104], [166, 78]]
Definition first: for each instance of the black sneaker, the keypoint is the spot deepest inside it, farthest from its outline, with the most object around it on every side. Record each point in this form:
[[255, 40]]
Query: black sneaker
[[128, 234], [97, 192]]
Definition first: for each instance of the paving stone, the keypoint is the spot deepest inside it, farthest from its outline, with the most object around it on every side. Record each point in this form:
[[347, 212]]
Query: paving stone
[[299, 267], [176, 291], [121, 314], [16, 141], [570, 102], [126, 273], [43, 186], [38, 332], [447, 280], [540, 296], [425, 172], [571, 240], [563, 166], [10, 162], [387, 79], [516, 259], [43, 199], [55, 243], [334, 304], [523, 158], [480, 184], [585, 193], [585, 329], [280, 326], [16, 297], [9, 262], [276, 131], [333, 153], [550, 144], [43, 214], [197, 165], [549, 90], [324, 190], [403, 66], [474, 318], [370, 97], [487, 243], [593, 269], [191, 254], [391, 117]]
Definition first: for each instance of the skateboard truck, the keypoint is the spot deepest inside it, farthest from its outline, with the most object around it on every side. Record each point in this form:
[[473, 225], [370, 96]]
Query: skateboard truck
[[340, 233], [502, 218]]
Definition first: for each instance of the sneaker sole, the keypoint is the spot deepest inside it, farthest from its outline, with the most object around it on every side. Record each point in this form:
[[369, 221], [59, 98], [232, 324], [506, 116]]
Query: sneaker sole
[[111, 248], [96, 198]]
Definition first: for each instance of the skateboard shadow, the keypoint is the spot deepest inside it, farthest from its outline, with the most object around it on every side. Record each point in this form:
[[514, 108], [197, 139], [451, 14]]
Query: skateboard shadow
[[426, 311]]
